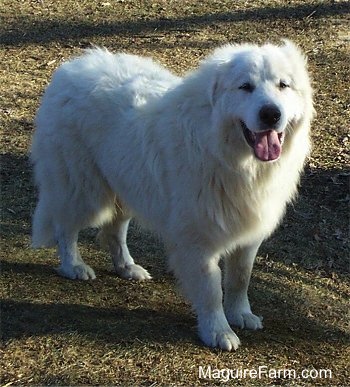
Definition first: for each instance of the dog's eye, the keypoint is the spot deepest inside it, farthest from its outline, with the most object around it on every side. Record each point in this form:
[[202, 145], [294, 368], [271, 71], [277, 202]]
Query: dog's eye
[[247, 87], [283, 85]]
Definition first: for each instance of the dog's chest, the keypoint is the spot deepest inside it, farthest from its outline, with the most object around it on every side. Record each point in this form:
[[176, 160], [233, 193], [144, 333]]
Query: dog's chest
[[252, 207]]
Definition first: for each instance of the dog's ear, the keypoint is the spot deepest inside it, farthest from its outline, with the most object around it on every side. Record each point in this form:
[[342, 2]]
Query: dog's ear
[[215, 79], [215, 66], [299, 62], [293, 51], [214, 88]]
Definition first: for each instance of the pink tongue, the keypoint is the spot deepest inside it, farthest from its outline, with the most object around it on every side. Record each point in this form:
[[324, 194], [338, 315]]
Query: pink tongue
[[267, 146]]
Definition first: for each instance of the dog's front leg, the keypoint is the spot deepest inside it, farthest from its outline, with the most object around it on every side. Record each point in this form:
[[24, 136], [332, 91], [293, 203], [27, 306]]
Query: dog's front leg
[[238, 268], [200, 279]]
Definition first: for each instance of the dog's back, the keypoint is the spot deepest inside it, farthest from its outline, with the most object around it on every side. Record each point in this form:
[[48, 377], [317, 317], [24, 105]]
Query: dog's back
[[97, 84]]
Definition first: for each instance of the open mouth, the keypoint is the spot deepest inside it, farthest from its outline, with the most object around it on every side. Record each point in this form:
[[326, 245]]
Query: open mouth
[[267, 145]]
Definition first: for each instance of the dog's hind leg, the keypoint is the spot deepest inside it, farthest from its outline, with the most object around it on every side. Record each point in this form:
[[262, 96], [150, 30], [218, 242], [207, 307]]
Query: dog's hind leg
[[113, 235], [72, 265], [238, 268], [42, 228]]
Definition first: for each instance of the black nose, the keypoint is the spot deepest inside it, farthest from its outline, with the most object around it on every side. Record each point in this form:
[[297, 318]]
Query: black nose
[[269, 115]]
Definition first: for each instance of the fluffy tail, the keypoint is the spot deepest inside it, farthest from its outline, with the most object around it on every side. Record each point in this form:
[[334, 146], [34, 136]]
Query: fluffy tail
[[43, 229]]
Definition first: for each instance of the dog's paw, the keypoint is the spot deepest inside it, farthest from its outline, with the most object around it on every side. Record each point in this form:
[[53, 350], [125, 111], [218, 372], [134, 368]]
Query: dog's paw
[[226, 340], [133, 272], [81, 272], [219, 335], [246, 320]]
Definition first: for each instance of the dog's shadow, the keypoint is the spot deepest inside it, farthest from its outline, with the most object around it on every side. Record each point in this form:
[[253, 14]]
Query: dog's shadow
[[112, 325], [118, 317]]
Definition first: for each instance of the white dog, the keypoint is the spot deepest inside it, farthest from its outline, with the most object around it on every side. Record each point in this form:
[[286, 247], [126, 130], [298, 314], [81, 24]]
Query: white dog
[[209, 161]]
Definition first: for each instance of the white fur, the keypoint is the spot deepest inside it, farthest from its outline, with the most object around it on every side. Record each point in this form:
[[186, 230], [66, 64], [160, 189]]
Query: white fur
[[120, 136]]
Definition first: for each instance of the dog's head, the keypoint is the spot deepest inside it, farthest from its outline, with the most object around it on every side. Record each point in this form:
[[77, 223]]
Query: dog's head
[[263, 92]]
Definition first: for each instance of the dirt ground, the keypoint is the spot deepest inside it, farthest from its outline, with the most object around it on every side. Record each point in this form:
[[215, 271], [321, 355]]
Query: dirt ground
[[116, 332]]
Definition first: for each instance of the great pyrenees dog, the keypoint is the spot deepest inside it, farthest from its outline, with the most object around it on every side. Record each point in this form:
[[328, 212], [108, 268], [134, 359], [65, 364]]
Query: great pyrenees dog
[[208, 161]]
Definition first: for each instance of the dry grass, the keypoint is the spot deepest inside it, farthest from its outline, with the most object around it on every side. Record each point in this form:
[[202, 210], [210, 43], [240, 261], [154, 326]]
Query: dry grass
[[112, 331]]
